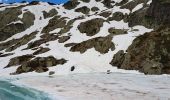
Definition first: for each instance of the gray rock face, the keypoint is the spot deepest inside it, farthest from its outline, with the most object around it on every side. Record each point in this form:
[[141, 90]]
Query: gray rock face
[[149, 53], [91, 27], [100, 44]]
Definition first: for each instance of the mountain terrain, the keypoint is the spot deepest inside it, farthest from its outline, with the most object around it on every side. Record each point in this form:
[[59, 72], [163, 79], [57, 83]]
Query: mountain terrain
[[84, 36]]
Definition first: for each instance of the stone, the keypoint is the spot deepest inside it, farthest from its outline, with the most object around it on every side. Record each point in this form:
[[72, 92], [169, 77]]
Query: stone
[[91, 27], [51, 72], [84, 10]]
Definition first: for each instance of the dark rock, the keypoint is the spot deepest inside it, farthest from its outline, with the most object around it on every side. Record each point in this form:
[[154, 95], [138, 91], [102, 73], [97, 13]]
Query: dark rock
[[44, 39], [86, 1], [39, 64], [41, 50], [70, 44], [159, 11], [19, 60], [91, 27], [63, 39], [118, 59], [117, 31], [21, 41], [51, 72], [118, 16], [9, 15], [95, 9], [5, 55], [34, 3], [54, 23], [100, 44], [72, 68], [51, 13], [108, 3], [84, 10], [105, 14], [71, 4]]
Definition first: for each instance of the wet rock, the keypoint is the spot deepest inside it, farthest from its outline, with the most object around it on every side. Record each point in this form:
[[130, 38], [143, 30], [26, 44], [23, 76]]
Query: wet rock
[[84, 10], [91, 27], [100, 44]]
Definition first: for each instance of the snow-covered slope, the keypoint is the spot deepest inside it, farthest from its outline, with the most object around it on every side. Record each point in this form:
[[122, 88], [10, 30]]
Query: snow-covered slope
[[89, 61]]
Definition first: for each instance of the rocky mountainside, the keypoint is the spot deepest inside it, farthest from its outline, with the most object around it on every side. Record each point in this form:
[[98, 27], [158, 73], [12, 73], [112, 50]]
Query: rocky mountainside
[[83, 36]]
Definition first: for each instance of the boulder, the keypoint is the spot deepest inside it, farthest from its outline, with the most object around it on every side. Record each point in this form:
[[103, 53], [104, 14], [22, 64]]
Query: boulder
[[94, 9], [91, 27]]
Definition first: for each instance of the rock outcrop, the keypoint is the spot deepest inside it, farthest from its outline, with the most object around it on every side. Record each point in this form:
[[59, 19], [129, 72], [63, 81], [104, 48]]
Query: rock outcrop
[[12, 24], [39, 64], [100, 44], [91, 27], [149, 53]]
